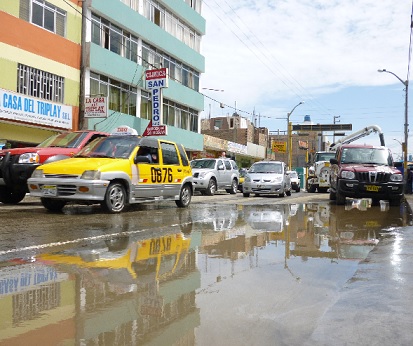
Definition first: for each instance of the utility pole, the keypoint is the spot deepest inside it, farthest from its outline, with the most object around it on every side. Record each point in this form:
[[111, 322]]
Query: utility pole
[[83, 64]]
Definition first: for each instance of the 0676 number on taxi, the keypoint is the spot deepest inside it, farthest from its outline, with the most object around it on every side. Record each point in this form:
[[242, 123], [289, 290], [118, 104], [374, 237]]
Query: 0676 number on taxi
[[163, 175]]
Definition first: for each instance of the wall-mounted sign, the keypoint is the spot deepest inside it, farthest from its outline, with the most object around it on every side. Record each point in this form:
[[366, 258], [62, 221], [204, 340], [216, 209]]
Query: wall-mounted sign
[[279, 147], [156, 80], [14, 106], [96, 107]]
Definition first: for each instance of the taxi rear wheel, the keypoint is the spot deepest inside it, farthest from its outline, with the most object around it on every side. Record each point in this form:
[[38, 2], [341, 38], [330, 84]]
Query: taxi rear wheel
[[53, 204], [184, 196], [115, 198]]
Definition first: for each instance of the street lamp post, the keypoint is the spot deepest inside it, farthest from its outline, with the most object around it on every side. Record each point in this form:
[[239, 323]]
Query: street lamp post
[[289, 138], [406, 124], [401, 144]]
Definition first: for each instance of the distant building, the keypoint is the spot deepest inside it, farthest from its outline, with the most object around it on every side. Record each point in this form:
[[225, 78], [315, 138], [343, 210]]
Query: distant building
[[235, 135]]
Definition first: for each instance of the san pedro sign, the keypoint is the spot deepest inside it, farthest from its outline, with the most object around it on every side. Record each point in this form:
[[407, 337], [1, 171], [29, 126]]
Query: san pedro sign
[[156, 80]]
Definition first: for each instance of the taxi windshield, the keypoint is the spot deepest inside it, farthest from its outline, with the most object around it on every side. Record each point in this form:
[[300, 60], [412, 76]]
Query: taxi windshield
[[117, 147]]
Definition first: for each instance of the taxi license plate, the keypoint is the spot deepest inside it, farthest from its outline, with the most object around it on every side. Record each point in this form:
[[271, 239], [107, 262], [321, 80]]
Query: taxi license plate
[[49, 190], [372, 188]]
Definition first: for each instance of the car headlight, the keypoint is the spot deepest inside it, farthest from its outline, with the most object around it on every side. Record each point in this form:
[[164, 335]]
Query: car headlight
[[202, 175], [29, 158], [90, 175], [396, 177], [247, 179], [348, 175], [38, 173], [277, 180]]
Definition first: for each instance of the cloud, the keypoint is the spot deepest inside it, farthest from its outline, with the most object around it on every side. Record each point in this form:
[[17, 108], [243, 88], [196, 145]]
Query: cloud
[[261, 52]]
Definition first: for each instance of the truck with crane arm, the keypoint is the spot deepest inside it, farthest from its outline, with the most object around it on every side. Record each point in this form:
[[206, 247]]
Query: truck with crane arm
[[319, 172]]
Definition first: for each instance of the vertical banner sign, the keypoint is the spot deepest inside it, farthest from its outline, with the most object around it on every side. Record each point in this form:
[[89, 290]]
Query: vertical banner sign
[[156, 80]]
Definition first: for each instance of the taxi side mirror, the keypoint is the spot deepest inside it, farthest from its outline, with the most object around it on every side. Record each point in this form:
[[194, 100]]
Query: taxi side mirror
[[141, 159]]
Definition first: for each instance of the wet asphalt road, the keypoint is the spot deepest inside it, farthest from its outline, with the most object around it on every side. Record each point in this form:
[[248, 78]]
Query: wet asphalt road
[[372, 307]]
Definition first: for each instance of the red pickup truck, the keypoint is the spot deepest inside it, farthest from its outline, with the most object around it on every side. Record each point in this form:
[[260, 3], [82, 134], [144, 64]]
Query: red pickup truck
[[365, 171], [17, 165]]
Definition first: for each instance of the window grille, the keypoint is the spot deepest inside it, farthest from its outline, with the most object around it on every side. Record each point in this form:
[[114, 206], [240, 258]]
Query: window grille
[[41, 84]]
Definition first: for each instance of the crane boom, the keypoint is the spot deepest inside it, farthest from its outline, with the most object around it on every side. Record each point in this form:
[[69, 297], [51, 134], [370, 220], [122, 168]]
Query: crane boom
[[357, 135]]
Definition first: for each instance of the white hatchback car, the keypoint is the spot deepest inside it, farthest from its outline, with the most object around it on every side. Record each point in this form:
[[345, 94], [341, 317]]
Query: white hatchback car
[[295, 180], [267, 177]]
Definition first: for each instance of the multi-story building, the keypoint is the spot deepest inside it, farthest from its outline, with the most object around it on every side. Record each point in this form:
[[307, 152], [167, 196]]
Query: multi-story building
[[55, 54], [40, 49], [124, 38]]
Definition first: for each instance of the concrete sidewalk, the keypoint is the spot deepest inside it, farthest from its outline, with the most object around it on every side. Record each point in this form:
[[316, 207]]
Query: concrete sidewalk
[[376, 305]]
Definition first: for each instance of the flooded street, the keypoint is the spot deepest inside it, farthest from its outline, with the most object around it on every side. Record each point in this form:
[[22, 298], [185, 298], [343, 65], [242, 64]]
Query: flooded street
[[236, 272]]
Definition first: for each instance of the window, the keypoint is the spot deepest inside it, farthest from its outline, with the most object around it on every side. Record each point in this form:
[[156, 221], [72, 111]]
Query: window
[[38, 83], [121, 42], [156, 13], [146, 106], [169, 154], [44, 14], [111, 37], [195, 4], [217, 123], [122, 97], [116, 42], [184, 157]]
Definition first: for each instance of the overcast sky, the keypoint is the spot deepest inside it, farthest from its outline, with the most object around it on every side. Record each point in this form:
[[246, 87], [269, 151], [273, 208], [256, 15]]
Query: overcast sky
[[267, 56]]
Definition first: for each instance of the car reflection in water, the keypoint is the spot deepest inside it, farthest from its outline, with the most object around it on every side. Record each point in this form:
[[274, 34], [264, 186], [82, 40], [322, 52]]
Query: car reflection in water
[[112, 290], [356, 229], [348, 232], [124, 290]]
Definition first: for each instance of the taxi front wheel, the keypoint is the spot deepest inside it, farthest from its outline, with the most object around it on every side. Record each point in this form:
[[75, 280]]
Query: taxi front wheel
[[115, 198], [53, 204], [184, 196]]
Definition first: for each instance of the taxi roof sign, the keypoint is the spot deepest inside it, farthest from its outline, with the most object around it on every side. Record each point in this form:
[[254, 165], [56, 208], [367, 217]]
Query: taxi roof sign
[[124, 130]]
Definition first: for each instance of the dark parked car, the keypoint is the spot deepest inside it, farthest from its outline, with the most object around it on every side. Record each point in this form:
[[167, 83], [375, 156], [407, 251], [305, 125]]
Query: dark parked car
[[365, 171]]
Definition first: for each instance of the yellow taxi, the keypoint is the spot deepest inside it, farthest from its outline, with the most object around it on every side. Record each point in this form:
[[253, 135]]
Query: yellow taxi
[[162, 256], [116, 171]]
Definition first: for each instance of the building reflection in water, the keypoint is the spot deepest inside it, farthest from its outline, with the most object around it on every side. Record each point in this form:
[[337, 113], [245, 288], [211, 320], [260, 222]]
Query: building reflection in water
[[135, 291]]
